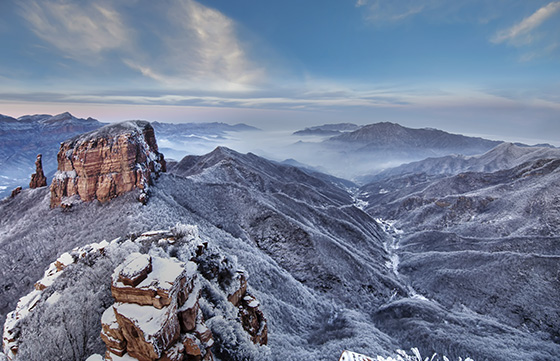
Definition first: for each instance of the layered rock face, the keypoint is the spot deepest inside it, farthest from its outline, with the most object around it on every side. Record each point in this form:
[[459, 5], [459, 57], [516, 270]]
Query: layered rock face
[[38, 178], [106, 163], [156, 314]]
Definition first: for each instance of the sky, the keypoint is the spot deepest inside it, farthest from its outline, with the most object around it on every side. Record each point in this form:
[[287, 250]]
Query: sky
[[488, 68]]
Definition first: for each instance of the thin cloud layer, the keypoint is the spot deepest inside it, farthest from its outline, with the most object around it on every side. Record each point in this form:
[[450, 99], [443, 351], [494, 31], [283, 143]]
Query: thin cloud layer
[[196, 47], [521, 33], [200, 50], [82, 31]]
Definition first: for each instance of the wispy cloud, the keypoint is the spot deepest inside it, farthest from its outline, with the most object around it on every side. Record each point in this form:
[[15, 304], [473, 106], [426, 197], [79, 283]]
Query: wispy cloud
[[201, 47], [82, 31], [177, 43], [391, 11], [522, 32]]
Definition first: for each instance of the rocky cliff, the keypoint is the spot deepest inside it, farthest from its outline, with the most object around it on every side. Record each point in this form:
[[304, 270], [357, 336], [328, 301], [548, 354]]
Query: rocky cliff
[[106, 163]]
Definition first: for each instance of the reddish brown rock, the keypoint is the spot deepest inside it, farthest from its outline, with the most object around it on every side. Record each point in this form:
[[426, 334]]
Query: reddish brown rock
[[155, 311], [106, 163], [240, 287], [156, 288], [193, 347], [147, 330], [111, 333], [38, 178], [136, 270], [188, 312], [15, 192], [253, 320]]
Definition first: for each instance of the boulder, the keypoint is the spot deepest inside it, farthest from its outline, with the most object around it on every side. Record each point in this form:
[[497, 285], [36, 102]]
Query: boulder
[[156, 316], [16, 191], [111, 333], [253, 320], [188, 312]]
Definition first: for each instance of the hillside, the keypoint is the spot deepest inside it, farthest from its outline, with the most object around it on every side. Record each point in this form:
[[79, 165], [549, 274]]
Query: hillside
[[457, 230]]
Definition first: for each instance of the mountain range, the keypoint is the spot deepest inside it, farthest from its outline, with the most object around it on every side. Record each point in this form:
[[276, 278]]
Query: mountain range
[[462, 262]]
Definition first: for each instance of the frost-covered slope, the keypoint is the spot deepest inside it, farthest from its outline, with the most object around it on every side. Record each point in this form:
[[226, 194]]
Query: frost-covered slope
[[322, 269], [315, 267], [504, 156], [486, 243]]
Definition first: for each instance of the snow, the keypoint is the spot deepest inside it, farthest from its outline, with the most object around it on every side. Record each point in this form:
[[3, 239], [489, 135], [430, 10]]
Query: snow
[[134, 264], [109, 318], [193, 298], [95, 357], [53, 298], [253, 303], [146, 318], [353, 356], [125, 357], [65, 259], [164, 273]]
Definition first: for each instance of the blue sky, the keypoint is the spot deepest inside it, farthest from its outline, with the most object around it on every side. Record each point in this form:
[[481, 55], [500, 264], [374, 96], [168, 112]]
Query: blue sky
[[488, 68]]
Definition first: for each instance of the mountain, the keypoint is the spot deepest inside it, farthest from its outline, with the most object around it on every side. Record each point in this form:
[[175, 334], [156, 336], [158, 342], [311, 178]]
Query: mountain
[[360, 154], [313, 258], [401, 140], [23, 138], [328, 129], [504, 156], [489, 239], [462, 265]]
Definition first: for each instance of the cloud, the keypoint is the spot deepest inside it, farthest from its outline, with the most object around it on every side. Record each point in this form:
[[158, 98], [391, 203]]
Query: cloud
[[201, 48], [521, 33], [80, 30], [389, 11], [180, 44]]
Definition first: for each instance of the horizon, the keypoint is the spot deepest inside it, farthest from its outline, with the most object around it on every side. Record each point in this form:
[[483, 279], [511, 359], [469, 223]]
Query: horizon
[[473, 68], [285, 131]]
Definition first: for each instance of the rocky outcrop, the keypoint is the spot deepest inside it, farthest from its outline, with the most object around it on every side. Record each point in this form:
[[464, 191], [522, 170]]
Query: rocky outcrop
[[16, 191], [38, 178], [156, 314], [106, 163], [252, 318]]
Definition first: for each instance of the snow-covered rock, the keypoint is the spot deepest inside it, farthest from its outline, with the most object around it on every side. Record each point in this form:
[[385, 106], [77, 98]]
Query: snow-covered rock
[[156, 308]]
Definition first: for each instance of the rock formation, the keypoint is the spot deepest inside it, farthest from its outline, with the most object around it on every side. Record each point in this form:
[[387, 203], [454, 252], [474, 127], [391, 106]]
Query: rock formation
[[16, 191], [106, 163], [38, 178], [156, 314], [252, 318]]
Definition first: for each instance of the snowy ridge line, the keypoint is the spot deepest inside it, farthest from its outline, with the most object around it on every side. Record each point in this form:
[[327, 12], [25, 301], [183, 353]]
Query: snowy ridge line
[[401, 355], [27, 303]]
